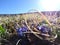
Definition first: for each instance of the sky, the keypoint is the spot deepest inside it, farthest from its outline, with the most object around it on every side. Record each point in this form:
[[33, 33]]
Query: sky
[[23, 6]]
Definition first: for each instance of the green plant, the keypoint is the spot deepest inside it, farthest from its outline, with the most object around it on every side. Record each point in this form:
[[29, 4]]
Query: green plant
[[2, 31], [58, 32]]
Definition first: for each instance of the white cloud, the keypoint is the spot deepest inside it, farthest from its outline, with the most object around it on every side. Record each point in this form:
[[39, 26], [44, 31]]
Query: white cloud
[[50, 5]]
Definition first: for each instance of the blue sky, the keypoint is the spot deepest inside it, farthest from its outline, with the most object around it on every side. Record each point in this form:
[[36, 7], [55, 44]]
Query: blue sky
[[20, 6]]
